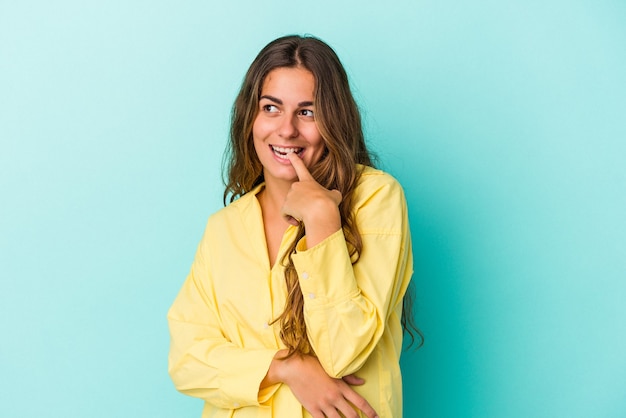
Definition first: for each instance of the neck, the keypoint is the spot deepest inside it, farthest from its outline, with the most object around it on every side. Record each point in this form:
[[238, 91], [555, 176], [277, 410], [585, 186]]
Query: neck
[[273, 195], [271, 200]]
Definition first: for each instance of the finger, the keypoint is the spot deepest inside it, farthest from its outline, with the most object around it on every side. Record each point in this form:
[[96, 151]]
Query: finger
[[360, 402], [353, 380], [331, 412], [346, 409], [291, 220], [301, 171]]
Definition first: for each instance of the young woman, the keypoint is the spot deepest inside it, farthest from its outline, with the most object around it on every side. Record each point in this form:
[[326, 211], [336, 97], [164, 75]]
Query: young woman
[[294, 303]]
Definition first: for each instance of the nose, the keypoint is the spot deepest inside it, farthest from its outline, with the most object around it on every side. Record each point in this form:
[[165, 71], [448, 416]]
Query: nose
[[288, 127]]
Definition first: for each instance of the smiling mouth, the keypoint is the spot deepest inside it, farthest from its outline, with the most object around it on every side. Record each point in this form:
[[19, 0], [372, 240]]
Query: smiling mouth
[[283, 151]]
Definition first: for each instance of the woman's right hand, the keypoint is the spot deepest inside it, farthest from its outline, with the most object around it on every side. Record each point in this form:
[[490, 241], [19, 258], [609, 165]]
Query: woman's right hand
[[318, 393]]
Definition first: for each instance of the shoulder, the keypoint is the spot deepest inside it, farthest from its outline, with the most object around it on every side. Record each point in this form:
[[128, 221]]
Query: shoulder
[[234, 214], [379, 202], [373, 181]]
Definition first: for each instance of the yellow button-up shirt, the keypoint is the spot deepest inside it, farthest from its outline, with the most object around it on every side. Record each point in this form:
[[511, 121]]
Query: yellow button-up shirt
[[222, 342]]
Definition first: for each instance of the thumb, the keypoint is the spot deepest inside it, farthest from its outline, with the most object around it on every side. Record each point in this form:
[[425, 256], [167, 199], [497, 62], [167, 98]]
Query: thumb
[[353, 380]]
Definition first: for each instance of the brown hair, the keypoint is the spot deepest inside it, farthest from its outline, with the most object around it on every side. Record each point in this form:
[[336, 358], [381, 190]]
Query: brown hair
[[339, 122]]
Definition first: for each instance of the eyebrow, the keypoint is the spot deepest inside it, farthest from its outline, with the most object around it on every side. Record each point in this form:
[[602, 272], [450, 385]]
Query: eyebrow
[[280, 102]]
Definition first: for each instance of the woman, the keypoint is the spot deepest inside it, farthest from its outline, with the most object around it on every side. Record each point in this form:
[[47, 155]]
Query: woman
[[294, 303]]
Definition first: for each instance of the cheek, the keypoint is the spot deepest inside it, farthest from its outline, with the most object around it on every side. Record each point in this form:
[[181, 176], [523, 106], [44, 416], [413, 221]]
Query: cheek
[[255, 128], [261, 127], [319, 142], [257, 135], [312, 134], [258, 146]]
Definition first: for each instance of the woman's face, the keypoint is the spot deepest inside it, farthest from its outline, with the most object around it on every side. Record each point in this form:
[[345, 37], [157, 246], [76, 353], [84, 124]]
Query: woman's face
[[285, 123]]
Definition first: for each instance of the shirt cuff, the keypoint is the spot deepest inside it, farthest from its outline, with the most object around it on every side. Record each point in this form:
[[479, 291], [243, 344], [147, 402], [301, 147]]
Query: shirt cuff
[[325, 271], [254, 365]]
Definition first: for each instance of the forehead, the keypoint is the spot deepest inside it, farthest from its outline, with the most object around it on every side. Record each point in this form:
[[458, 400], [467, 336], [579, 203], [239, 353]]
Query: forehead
[[289, 82]]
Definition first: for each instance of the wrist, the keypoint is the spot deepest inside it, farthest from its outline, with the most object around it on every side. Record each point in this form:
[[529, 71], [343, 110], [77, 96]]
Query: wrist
[[276, 371], [321, 223], [322, 211]]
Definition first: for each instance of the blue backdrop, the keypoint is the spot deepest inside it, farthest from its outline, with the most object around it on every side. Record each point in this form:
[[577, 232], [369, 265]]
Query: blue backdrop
[[503, 120]]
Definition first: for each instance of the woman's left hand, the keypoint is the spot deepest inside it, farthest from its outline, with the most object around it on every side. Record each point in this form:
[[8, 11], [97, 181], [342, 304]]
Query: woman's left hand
[[318, 393], [310, 203]]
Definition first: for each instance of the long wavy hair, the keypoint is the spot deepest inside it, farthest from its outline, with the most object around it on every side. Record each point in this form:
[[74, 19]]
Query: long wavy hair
[[339, 123]]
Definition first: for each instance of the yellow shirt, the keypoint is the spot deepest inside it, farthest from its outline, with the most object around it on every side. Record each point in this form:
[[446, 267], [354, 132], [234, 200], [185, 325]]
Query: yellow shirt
[[221, 343]]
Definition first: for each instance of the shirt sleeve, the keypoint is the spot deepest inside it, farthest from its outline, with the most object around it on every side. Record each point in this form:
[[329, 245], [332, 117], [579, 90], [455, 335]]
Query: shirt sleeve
[[347, 306], [202, 362]]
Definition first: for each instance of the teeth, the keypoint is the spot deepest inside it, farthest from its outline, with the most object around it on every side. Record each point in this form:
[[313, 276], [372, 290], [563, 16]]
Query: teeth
[[285, 151]]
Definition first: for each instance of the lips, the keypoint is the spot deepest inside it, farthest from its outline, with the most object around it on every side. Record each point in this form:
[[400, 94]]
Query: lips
[[282, 152]]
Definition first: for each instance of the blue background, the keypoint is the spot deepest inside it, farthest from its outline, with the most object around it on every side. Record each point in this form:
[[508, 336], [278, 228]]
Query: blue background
[[503, 120]]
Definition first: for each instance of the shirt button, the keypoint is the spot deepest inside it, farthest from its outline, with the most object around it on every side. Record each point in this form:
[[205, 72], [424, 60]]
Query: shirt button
[[236, 404], [305, 275], [311, 295], [266, 325]]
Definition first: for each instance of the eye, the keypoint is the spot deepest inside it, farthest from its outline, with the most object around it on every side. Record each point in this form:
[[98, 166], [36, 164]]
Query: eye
[[269, 108], [307, 113]]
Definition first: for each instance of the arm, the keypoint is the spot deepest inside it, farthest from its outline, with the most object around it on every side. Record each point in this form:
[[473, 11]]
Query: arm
[[318, 393], [346, 306], [202, 362]]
